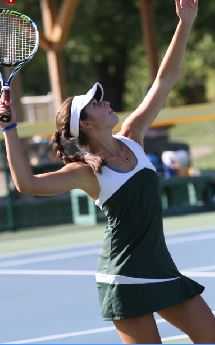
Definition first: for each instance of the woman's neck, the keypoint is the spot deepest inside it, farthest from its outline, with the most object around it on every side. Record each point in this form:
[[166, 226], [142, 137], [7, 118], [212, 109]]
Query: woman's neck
[[107, 145]]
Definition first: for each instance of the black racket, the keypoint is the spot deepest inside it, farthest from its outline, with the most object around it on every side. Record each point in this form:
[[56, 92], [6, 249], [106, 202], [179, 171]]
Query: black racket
[[19, 41]]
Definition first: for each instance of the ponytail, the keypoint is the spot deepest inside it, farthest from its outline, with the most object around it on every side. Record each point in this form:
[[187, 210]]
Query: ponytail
[[94, 161]]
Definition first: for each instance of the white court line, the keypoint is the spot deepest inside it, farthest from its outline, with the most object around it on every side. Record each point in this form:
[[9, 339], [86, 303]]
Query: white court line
[[199, 271], [200, 268], [62, 336], [52, 249], [86, 332], [48, 272], [51, 257], [176, 337], [168, 233], [85, 273], [199, 274], [68, 335], [184, 231], [192, 238], [80, 253]]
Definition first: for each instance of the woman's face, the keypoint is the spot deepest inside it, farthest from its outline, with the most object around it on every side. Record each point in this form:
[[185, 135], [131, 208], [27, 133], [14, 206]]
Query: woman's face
[[101, 116]]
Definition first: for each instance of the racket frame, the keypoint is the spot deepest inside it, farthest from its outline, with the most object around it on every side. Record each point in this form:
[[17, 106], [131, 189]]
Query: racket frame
[[5, 84]]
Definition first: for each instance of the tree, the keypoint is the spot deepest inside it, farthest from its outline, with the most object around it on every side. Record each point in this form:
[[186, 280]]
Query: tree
[[101, 38], [106, 44]]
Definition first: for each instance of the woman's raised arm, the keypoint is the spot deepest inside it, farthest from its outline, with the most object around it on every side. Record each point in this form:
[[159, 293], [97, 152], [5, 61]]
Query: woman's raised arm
[[139, 121], [71, 176]]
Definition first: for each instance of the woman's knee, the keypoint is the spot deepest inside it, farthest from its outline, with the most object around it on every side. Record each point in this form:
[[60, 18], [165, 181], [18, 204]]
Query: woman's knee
[[204, 337]]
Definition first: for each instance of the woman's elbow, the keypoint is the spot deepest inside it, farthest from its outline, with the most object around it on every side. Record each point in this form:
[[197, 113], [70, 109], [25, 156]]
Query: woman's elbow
[[23, 189]]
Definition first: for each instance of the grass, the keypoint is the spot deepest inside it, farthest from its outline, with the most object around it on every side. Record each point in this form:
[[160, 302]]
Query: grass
[[26, 129], [201, 140], [68, 235], [196, 134], [178, 341]]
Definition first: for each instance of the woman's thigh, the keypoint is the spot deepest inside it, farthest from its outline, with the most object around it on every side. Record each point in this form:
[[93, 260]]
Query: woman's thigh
[[194, 318], [138, 330]]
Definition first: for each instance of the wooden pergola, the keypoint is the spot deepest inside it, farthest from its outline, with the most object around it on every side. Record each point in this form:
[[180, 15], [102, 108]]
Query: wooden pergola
[[56, 26], [56, 29]]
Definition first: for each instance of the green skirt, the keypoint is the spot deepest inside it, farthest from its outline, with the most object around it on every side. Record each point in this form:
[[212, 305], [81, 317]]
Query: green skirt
[[134, 247]]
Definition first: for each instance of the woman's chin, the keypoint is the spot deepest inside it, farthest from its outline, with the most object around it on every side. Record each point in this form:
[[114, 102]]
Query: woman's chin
[[116, 117], [115, 122]]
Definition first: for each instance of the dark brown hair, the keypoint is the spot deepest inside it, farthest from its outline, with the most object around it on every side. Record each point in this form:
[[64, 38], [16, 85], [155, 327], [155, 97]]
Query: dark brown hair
[[79, 145]]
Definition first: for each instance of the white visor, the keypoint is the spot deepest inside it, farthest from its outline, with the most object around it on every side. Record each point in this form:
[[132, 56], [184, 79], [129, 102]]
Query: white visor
[[79, 102]]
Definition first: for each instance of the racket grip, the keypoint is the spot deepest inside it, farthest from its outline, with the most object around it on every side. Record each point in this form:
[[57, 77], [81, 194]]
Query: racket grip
[[7, 116], [6, 91]]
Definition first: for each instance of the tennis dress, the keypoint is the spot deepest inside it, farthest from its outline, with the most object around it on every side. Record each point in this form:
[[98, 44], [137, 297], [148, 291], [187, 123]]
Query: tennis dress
[[136, 274]]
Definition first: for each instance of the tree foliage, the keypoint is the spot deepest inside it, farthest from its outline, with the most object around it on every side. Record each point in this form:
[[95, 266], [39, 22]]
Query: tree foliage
[[35, 74], [106, 44]]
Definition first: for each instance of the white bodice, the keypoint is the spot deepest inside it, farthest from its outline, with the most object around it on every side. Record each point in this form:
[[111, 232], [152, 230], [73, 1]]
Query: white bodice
[[111, 180]]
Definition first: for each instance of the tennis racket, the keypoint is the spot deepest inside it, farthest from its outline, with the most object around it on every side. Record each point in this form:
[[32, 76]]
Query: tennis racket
[[19, 41]]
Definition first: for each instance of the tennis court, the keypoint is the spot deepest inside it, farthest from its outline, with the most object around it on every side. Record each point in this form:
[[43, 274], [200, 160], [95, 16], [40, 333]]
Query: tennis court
[[47, 285]]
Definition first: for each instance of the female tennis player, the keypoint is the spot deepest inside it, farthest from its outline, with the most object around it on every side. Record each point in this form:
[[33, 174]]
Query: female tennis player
[[136, 275]]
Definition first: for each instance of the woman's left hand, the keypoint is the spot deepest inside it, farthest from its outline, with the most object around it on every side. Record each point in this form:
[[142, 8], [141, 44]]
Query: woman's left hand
[[187, 10]]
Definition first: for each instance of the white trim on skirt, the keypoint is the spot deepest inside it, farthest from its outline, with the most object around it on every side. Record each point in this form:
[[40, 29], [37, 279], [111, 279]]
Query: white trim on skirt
[[118, 279]]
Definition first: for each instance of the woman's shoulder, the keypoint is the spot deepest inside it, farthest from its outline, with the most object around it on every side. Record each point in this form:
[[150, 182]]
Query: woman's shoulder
[[128, 136], [79, 167], [87, 180]]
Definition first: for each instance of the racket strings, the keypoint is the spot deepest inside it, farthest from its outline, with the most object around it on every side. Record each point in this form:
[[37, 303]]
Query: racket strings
[[17, 39]]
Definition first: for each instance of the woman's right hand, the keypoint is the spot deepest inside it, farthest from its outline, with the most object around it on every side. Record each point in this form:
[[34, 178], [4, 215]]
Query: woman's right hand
[[5, 107], [187, 10]]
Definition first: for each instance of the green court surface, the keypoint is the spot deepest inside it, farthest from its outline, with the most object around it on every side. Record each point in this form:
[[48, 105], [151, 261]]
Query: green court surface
[[68, 235]]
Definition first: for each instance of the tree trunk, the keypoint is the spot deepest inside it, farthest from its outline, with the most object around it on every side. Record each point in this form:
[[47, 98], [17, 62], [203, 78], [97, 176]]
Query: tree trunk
[[112, 77]]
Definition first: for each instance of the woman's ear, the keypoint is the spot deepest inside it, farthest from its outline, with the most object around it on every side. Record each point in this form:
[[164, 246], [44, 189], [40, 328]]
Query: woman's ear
[[85, 124]]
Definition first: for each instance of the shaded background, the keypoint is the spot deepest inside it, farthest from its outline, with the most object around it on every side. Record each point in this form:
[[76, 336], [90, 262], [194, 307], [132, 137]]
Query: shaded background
[[106, 43], [120, 44]]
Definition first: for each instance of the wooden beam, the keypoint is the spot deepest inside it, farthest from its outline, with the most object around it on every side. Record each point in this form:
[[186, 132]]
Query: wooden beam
[[56, 29], [45, 43], [148, 25], [57, 76], [55, 59], [64, 20], [49, 16]]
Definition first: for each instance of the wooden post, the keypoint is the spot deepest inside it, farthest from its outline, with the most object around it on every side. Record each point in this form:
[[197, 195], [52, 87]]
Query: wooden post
[[45, 44], [56, 29], [148, 25], [57, 76], [64, 22]]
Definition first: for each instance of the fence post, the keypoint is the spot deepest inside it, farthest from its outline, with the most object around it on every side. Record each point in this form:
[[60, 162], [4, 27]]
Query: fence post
[[9, 202], [83, 208]]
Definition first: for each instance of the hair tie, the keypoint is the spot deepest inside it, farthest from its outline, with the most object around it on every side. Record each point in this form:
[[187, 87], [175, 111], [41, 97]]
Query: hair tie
[[82, 159], [58, 135]]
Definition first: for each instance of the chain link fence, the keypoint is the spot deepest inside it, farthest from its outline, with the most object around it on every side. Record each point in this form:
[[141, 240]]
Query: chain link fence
[[18, 210], [182, 151]]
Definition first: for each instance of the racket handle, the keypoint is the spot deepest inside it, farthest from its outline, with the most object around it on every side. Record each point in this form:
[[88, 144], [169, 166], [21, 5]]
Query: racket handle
[[6, 98]]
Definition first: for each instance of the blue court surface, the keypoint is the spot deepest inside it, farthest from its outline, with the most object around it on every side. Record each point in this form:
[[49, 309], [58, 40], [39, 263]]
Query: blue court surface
[[50, 296]]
